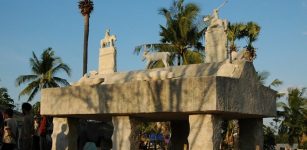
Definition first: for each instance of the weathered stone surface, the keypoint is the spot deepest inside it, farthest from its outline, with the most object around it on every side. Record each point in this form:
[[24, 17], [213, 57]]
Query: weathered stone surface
[[233, 91], [205, 132], [107, 60], [251, 134], [245, 95], [65, 134], [216, 41], [121, 133]]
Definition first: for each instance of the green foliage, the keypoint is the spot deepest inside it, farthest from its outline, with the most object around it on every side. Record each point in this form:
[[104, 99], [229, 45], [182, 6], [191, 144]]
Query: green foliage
[[269, 138], [263, 76], [180, 30], [250, 31], [36, 108], [179, 36], [86, 7], [235, 31], [294, 115], [44, 71], [5, 99]]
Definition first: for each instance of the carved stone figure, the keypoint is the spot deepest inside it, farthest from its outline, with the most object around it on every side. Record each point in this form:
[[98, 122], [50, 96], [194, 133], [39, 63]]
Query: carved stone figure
[[216, 37], [91, 79], [150, 57], [107, 54], [108, 40], [214, 21]]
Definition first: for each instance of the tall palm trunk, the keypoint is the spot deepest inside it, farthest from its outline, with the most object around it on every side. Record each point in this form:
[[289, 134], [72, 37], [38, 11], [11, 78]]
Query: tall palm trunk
[[85, 43]]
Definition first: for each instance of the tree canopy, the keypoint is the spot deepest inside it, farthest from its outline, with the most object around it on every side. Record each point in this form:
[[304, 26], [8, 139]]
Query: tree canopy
[[5, 99], [44, 71]]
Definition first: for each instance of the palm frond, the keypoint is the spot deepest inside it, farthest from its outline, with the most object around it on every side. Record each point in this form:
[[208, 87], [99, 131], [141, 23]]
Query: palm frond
[[25, 78], [61, 67], [86, 7], [33, 93], [276, 83], [61, 81], [262, 76], [35, 63], [27, 90], [194, 57]]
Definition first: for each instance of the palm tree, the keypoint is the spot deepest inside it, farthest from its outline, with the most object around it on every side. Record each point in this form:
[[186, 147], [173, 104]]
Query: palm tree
[[86, 7], [294, 115], [234, 32], [251, 33], [44, 71], [180, 35], [180, 30]]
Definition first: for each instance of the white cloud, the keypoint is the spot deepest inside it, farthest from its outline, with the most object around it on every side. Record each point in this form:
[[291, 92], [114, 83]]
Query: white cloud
[[304, 33]]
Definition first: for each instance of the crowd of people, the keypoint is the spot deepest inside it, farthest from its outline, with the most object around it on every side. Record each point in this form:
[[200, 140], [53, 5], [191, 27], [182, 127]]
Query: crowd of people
[[31, 134]]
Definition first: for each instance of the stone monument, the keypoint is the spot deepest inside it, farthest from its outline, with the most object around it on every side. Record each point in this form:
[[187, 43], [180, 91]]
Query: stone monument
[[196, 98], [107, 54], [216, 37]]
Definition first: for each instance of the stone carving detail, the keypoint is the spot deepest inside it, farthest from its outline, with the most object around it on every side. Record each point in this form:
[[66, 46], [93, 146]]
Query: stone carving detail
[[216, 37], [107, 54], [91, 79], [108, 40], [163, 56], [214, 21]]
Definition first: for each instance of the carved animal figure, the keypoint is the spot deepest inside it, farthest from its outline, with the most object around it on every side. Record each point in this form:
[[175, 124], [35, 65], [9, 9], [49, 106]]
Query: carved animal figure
[[150, 57], [91, 79], [108, 40]]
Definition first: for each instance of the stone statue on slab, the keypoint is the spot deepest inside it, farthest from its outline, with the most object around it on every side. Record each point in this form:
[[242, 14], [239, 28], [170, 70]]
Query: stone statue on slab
[[108, 40], [216, 37], [156, 56], [214, 21], [107, 54], [90, 79]]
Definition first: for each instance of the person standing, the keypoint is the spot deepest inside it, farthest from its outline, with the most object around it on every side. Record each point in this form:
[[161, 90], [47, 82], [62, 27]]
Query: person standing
[[9, 131], [35, 138], [27, 129], [42, 130]]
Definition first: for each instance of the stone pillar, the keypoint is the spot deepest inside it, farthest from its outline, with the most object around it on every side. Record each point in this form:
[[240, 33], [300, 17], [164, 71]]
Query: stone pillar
[[65, 134], [107, 54], [205, 132], [107, 60], [216, 45], [180, 132], [121, 133], [251, 134]]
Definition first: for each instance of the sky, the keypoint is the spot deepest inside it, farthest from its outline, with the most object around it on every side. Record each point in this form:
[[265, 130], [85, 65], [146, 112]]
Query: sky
[[35, 25]]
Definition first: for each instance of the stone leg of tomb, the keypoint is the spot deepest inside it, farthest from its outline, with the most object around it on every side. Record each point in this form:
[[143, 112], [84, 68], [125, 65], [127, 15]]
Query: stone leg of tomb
[[65, 134], [205, 132], [180, 132], [251, 134], [121, 133]]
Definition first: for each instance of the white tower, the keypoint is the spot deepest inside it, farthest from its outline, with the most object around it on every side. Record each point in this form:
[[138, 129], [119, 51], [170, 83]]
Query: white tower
[[107, 54]]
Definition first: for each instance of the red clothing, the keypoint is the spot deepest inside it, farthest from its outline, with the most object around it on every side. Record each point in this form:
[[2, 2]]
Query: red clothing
[[42, 126]]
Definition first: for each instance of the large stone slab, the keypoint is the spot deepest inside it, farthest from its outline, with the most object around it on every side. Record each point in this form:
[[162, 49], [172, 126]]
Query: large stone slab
[[233, 91]]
